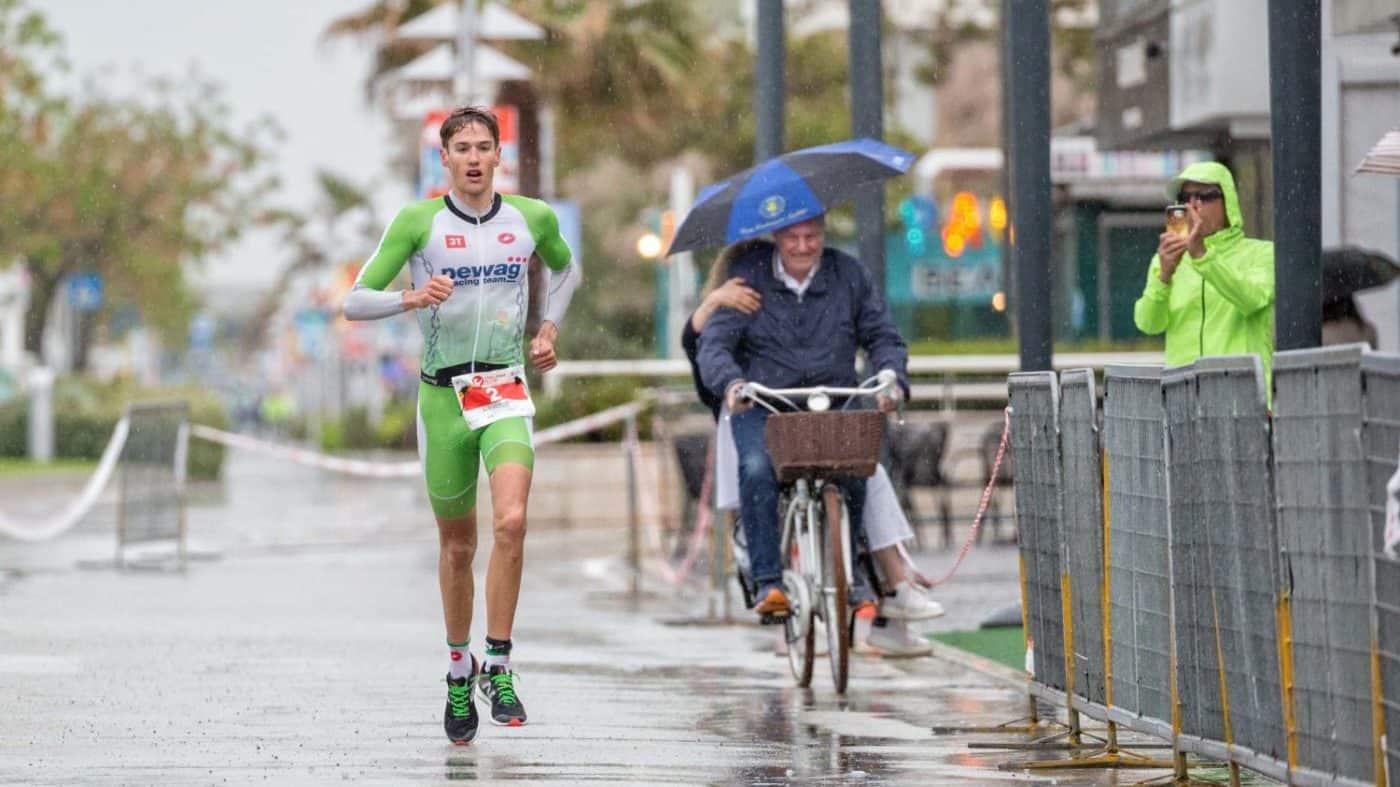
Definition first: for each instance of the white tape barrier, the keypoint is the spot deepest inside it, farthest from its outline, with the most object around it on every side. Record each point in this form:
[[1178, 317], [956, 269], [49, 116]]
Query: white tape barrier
[[590, 423], [410, 469], [302, 456], [71, 516]]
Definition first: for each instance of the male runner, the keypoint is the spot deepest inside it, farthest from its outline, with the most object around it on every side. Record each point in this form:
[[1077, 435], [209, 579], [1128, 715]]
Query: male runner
[[469, 252]]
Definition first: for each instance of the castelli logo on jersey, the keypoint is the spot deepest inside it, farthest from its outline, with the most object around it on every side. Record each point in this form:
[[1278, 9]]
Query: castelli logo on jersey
[[456, 241], [456, 655], [506, 237]]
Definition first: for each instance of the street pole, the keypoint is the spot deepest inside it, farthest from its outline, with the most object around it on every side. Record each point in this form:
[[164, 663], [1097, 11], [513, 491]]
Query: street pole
[[1028, 81], [769, 91], [1295, 120], [1008, 261], [464, 84], [680, 268], [867, 120]]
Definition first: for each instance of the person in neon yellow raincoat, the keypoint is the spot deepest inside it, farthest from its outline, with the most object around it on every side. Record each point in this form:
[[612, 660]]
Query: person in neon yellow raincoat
[[1211, 291]]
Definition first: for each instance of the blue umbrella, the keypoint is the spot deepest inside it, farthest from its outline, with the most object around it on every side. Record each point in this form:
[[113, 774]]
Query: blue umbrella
[[785, 190]]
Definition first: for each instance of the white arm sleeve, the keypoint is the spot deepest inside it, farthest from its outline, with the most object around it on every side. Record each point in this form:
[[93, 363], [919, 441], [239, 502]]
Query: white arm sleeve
[[560, 291], [363, 303]]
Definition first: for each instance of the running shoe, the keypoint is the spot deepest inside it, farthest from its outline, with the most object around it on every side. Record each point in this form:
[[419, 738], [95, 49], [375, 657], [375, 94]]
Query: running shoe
[[460, 719], [496, 685]]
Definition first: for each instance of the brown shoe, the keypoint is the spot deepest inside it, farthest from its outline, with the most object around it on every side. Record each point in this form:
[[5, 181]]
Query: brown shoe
[[774, 604]]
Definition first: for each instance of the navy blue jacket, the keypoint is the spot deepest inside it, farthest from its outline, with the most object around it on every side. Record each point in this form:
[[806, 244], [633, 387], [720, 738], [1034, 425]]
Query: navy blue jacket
[[791, 343]]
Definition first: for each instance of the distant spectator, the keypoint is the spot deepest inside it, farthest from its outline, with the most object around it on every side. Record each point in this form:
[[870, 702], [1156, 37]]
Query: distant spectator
[[1221, 301]]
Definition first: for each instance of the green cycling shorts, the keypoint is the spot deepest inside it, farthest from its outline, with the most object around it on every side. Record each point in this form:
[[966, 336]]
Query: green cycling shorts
[[451, 451]]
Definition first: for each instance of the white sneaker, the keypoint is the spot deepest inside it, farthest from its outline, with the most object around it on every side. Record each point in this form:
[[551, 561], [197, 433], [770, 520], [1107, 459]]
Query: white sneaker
[[895, 640], [909, 603]]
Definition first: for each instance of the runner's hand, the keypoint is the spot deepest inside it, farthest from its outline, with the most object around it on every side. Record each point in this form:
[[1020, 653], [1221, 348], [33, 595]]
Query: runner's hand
[[434, 292], [542, 347]]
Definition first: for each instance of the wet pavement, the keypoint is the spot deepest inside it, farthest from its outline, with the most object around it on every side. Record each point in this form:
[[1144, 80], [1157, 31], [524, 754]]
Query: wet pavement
[[311, 652]]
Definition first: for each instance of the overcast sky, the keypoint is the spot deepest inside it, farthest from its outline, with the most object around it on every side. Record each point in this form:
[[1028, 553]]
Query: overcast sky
[[269, 56]]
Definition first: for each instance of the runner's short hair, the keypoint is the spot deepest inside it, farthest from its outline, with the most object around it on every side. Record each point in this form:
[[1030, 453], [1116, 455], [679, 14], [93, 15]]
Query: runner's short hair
[[465, 116]]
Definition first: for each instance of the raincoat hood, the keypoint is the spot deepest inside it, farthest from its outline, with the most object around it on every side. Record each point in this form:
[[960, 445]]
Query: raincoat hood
[[1216, 174]]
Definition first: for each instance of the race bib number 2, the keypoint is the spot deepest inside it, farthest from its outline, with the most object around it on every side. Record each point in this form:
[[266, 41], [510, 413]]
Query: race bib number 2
[[487, 397]]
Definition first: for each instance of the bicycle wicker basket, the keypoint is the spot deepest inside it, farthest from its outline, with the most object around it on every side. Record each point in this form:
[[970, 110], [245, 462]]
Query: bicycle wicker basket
[[826, 445]]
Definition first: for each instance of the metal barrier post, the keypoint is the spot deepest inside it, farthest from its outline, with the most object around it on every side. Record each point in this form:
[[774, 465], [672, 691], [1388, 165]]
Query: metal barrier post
[[1085, 529], [630, 443], [1035, 442], [1380, 439], [1328, 556]]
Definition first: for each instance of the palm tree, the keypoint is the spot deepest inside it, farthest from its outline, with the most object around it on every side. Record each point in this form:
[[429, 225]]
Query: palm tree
[[624, 71]]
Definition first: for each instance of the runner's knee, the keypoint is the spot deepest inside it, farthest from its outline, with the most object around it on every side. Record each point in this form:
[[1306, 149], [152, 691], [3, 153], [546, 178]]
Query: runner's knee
[[458, 543], [509, 524]]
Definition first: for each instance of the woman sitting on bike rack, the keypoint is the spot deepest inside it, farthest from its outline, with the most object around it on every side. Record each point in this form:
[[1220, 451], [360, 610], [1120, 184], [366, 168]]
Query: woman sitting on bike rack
[[819, 308]]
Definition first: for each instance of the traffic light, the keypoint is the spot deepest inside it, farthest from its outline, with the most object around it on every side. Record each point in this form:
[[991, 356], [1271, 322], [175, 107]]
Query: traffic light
[[919, 214]]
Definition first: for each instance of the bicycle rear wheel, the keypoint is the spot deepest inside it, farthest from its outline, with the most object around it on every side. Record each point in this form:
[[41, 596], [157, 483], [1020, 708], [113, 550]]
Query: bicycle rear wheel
[[836, 593], [797, 627]]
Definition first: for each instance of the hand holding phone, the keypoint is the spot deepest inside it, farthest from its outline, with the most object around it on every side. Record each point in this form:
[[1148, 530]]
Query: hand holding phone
[[1178, 223]]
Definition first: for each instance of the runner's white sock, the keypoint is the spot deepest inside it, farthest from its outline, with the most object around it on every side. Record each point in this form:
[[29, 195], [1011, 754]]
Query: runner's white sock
[[497, 653], [460, 660]]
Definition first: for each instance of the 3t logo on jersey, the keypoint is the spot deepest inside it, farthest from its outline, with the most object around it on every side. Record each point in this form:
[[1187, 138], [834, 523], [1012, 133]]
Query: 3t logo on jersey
[[483, 274], [456, 241]]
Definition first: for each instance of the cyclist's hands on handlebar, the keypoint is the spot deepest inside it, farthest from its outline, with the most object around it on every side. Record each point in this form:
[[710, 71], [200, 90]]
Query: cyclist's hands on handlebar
[[736, 397], [893, 397]]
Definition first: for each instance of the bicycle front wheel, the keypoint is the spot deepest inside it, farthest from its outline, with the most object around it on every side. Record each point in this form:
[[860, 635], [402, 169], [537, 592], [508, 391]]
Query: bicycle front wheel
[[836, 593], [797, 627]]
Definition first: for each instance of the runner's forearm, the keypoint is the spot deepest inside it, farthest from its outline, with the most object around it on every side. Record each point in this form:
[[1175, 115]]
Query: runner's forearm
[[364, 303], [562, 284]]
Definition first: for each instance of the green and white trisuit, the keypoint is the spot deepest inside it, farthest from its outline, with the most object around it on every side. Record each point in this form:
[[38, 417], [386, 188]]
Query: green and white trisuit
[[480, 327]]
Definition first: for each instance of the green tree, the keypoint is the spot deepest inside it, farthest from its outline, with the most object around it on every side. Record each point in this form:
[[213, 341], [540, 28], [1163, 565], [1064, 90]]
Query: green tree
[[131, 190], [315, 243]]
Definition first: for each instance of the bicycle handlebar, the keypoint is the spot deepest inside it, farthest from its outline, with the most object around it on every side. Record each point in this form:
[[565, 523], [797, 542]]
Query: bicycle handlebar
[[755, 392]]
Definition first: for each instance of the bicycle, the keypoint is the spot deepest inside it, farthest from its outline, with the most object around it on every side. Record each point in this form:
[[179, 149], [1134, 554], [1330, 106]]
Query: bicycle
[[811, 450]]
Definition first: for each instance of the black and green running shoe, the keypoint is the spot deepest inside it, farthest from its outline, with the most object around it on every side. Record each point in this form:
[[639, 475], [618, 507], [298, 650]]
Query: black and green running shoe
[[497, 686], [460, 719]]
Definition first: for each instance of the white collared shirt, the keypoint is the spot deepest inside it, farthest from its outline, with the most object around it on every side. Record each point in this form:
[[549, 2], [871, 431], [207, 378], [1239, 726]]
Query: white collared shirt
[[798, 287]]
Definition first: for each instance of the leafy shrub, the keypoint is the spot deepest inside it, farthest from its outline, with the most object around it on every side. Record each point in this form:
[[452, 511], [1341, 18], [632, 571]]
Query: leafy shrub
[[85, 413]]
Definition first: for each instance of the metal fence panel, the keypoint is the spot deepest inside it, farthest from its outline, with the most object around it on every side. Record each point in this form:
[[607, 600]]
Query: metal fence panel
[[1193, 630], [1139, 563], [1082, 527], [1380, 442], [1324, 536], [151, 493], [1241, 555], [1035, 444]]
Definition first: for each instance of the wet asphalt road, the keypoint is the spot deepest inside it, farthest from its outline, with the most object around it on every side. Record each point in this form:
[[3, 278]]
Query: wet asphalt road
[[315, 656]]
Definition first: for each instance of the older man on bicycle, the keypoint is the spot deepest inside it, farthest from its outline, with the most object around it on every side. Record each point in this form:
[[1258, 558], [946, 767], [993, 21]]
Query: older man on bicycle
[[819, 306]]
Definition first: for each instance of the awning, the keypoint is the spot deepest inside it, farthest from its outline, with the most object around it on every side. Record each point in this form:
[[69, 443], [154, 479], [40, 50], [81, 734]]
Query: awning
[[494, 22], [1384, 158], [439, 64]]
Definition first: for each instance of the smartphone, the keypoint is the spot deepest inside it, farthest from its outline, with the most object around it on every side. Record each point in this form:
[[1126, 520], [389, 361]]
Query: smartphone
[[1177, 222]]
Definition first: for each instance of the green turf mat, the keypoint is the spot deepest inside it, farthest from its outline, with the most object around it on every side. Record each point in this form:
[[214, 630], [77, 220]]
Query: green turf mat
[[1004, 645]]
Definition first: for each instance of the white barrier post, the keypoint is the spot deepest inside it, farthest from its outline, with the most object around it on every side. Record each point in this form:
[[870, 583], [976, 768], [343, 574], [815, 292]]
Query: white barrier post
[[630, 443], [41, 414]]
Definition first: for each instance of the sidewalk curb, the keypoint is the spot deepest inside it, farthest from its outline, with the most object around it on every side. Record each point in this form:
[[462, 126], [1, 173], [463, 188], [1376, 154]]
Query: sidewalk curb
[[1000, 672]]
